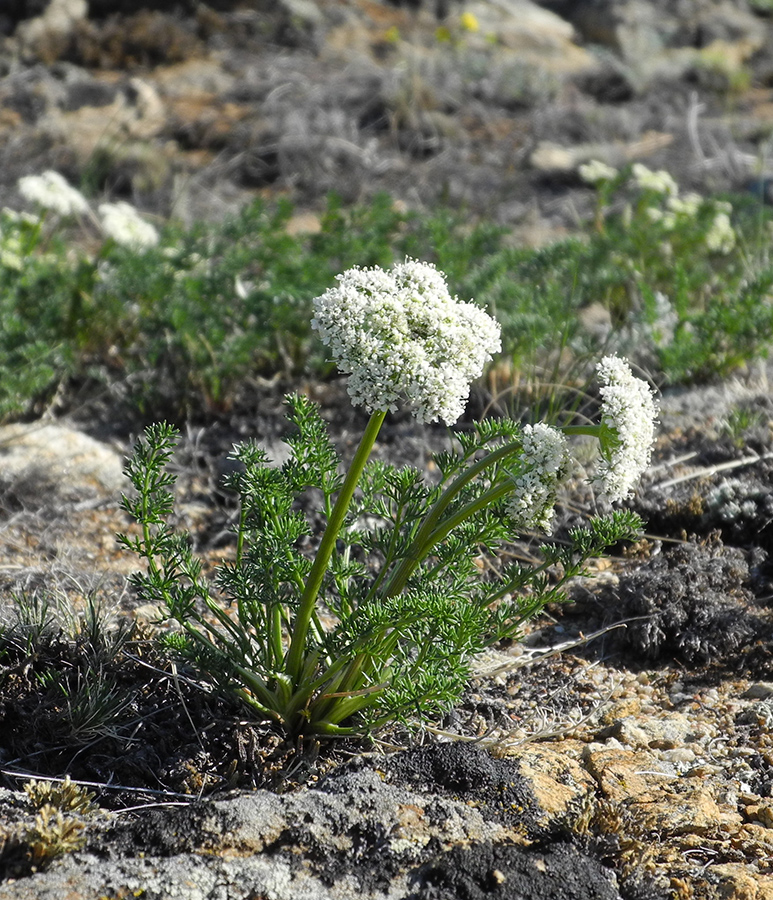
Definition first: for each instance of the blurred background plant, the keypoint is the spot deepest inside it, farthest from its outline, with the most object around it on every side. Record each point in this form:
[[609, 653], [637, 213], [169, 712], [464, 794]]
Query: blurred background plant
[[677, 282]]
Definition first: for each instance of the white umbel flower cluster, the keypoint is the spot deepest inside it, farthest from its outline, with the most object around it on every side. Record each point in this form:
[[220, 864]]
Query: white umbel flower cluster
[[401, 335], [543, 463], [124, 225], [51, 191], [661, 181], [628, 415], [720, 238], [596, 171]]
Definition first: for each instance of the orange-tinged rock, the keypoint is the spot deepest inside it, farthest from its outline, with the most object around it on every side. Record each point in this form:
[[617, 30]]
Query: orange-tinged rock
[[736, 882], [558, 781], [626, 774]]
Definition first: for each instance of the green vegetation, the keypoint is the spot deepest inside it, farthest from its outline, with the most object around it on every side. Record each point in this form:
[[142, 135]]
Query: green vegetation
[[397, 573], [80, 694], [679, 284]]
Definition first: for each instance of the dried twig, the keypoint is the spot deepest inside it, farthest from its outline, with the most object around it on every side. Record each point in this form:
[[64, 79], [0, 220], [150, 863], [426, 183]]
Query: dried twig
[[708, 471], [102, 786]]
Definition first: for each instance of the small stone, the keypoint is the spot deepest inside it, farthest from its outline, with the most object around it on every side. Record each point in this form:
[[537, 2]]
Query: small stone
[[760, 690], [679, 755], [704, 770], [761, 812], [559, 782], [665, 733]]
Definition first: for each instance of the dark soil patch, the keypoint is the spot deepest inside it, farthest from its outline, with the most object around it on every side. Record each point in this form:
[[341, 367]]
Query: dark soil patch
[[471, 775], [555, 872]]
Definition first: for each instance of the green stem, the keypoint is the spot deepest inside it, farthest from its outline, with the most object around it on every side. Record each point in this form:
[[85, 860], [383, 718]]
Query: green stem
[[422, 543], [294, 660], [32, 240], [443, 529], [593, 430], [240, 535]]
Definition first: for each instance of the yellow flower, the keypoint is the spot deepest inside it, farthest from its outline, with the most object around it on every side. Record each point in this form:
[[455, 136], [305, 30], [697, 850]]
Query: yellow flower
[[469, 22]]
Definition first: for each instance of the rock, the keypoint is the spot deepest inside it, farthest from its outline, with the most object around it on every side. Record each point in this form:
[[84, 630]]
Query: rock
[[515, 31], [633, 27], [627, 774], [304, 223], [53, 26], [735, 883], [551, 157], [559, 782], [354, 837], [305, 12], [136, 114], [194, 77], [658, 39], [760, 690], [665, 733], [761, 812], [45, 462], [661, 801], [536, 34]]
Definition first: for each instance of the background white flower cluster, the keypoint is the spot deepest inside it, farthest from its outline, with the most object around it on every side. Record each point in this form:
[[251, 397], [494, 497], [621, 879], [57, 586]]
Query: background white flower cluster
[[125, 226], [52, 191], [119, 221]]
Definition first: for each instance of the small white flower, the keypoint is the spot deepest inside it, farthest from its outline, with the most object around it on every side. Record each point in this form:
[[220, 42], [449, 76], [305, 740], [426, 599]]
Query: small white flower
[[11, 256], [51, 191], [720, 238], [400, 334], [628, 414], [660, 182], [595, 171], [123, 224], [20, 218], [663, 328], [686, 205], [666, 220], [242, 288], [543, 463]]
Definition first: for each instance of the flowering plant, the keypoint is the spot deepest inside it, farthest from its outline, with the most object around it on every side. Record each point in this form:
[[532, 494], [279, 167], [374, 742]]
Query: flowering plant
[[58, 307], [661, 208], [383, 622], [51, 191], [682, 275], [122, 223]]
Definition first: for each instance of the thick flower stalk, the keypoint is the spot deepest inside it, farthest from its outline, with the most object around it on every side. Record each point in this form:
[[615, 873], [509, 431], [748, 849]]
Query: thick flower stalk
[[628, 417], [400, 335], [51, 191]]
